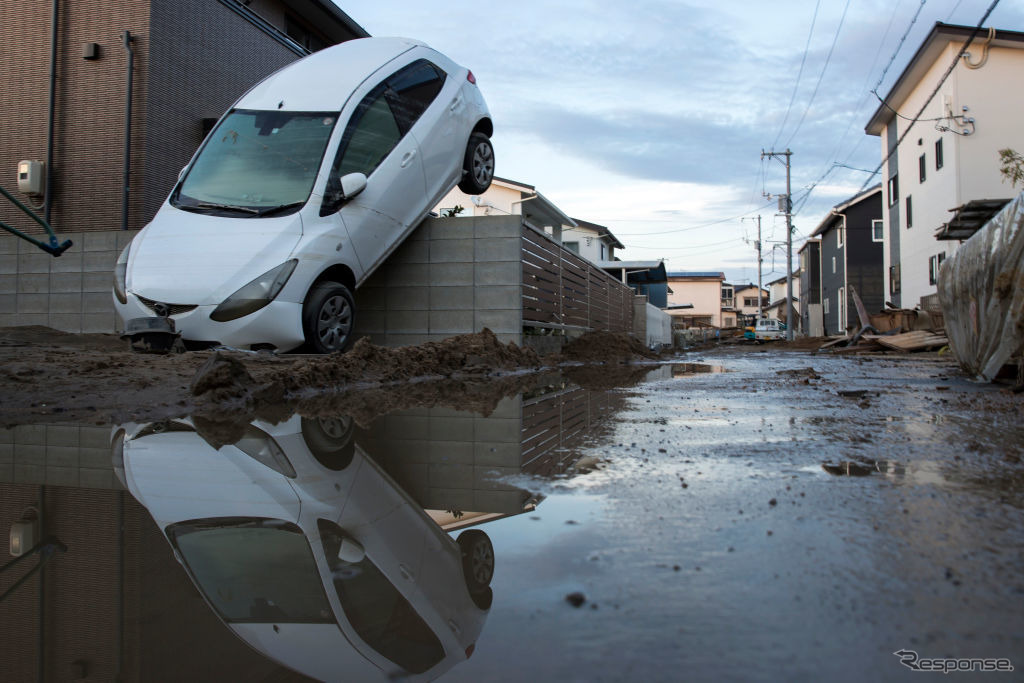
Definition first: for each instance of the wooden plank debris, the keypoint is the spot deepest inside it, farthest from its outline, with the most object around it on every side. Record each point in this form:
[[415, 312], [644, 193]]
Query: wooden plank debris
[[917, 340]]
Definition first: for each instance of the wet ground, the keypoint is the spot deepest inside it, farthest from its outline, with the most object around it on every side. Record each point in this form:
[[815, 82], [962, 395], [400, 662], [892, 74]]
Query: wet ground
[[736, 515]]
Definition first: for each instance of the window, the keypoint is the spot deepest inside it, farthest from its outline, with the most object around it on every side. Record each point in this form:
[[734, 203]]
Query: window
[[840, 236], [910, 212], [920, 168], [833, 264], [938, 154], [934, 264], [841, 307], [894, 190], [604, 251], [574, 247], [894, 279], [412, 89], [749, 301], [824, 305], [877, 231], [371, 135]]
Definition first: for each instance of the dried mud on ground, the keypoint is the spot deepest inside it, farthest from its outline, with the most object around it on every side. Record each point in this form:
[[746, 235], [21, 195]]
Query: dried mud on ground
[[47, 376]]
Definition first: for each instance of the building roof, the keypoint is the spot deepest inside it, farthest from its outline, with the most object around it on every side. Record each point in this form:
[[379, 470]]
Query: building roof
[[639, 271], [312, 8], [826, 222], [541, 209], [969, 218], [696, 275], [601, 231], [807, 244], [936, 41]]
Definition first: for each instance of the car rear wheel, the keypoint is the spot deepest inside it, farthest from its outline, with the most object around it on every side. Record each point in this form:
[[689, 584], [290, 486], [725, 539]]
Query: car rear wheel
[[328, 317], [478, 165], [477, 559]]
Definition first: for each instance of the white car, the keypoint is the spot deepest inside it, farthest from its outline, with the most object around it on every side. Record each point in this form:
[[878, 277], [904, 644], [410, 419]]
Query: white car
[[308, 551], [769, 329], [300, 192]]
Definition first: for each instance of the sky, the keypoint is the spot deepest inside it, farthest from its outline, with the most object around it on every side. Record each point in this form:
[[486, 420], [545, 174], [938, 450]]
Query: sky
[[650, 117]]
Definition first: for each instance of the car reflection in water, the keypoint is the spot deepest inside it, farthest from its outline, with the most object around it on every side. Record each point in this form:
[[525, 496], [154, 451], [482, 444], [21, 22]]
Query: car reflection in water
[[308, 551]]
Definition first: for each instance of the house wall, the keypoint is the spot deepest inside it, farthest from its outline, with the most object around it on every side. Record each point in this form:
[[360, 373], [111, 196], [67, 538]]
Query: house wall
[[993, 96], [704, 293], [833, 278], [809, 285], [658, 326], [751, 292], [864, 257], [589, 244]]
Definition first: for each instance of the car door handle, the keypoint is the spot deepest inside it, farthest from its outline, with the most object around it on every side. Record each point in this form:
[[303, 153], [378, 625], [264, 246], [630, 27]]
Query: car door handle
[[456, 103], [408, 158]]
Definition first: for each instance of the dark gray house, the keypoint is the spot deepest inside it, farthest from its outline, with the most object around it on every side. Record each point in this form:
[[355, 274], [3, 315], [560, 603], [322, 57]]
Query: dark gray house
[[851, 258], [811, 322]]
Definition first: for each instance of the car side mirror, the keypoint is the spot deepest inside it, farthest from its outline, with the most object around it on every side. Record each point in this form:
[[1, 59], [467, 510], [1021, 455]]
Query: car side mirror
[[351, 551], [338, 191]]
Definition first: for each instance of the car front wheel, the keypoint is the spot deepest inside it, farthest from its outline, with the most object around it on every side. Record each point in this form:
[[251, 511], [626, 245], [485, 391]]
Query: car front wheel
[[329, 317], [478, 165], [477, 559]]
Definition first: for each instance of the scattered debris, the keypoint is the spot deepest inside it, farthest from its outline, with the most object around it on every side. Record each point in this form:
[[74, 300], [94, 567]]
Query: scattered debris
[[576, 599]]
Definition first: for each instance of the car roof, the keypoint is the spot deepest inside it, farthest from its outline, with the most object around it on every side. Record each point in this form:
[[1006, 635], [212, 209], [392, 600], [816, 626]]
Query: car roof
[[324, 80]]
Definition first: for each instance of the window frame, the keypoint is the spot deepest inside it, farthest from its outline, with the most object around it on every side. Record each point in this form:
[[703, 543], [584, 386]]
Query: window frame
[[938, 154], [909, 210], [893, 189], [881, 232], [922, 164]]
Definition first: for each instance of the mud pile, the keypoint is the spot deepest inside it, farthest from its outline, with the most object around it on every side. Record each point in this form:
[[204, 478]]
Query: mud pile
[[605, 346]]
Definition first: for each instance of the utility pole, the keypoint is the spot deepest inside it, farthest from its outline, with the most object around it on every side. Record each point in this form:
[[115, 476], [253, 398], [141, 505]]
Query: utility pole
[[786, 207], [760, 259]]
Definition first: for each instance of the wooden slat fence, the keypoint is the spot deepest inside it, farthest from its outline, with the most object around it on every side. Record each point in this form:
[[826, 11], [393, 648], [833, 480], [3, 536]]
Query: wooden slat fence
[[561, 289]]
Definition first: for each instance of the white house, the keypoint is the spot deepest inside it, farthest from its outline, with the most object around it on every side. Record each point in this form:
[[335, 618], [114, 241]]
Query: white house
[[946, 155], [594, 242], [505, 197]]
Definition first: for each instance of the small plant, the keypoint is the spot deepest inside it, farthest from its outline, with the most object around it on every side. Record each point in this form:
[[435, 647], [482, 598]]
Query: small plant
[[1011, 165], [452, 212]]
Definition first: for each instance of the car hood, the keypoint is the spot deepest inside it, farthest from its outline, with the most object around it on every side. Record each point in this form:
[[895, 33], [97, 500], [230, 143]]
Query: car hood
[[190, 258]]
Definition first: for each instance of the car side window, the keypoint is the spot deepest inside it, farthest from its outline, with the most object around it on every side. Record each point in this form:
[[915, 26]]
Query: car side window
[[412, 89], [370, 136]]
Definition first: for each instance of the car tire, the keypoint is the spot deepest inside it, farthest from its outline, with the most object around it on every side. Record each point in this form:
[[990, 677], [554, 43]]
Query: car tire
[[477, 559], [328, 318], [329, 439], [478, 165]]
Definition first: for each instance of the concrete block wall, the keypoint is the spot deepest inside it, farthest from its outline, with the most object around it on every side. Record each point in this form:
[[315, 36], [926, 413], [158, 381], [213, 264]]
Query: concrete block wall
[[451, 276], [57, 455], [448, 459], [71, 293]]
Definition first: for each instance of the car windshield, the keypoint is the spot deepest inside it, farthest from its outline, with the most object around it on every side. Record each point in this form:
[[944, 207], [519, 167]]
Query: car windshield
[[253, 570], [257, 162]]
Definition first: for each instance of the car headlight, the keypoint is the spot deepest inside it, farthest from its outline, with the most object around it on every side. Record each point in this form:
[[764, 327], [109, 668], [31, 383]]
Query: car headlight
[[256, 294], [120, 276]]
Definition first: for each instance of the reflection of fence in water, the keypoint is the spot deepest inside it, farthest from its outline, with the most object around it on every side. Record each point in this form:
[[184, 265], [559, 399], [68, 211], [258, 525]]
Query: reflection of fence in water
[[561, 289]]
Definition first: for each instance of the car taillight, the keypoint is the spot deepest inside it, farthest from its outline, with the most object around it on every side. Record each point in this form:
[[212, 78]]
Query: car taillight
[[471, 78], [469, 650]]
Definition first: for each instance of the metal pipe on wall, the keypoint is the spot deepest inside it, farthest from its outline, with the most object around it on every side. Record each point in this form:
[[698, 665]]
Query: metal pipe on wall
[[127, 129], [47, 192]]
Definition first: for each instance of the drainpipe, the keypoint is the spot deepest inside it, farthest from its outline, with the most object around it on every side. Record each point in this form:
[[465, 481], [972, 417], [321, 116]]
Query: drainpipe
[[47, 193], [846, 285], [127, 128]]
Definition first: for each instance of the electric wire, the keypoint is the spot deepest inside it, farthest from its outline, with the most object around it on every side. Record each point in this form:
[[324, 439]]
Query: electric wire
[[799, 74]]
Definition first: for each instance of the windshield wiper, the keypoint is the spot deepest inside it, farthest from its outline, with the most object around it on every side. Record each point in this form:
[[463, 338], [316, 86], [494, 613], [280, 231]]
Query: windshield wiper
[[277, 209], [226, 207]]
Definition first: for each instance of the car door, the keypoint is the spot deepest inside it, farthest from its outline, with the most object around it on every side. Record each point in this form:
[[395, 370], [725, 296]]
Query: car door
[[375, 144]]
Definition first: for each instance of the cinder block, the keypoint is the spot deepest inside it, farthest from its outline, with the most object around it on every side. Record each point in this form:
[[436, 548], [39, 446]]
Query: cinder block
[[33, 303], [494, 453], [94, 457], [407, 274], [8, 244], [61, 456], [509, 407], [66, 303], [452, 299], [99, 261], [371, 298], [65, 322], [65, 282], [29, 474], [451, 499], [8, 264], [421, 232], [451, 429], [408, 322], [497, 249], [6, 435], [411, 252], [452, 229], [19, 319], [502, 273], [407, 427], [407, 299], [497, 429], [124, 237], [498, 226], [370, 321], [98, 323], [94, 437], [99, 241], [34, 262], [8, 303], [68, 262], [97, 302], [443, 476], [62, 476], [451, 274], [376, 338], [489, 478], [7, 472], [499, 321], [451, 452], [507, 502], [8, 283], [62, 435], [498, 297], [97, 479], [29, 435], [33, 283], [98, 282], [451, 322], [394, 340], [6, 453], [451, 251]]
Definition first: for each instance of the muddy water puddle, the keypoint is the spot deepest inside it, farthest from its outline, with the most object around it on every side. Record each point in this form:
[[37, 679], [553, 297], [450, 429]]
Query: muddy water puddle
[[713, 517]]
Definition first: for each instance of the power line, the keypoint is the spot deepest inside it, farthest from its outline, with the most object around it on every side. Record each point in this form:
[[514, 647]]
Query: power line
[[799, 73], [899, 46]]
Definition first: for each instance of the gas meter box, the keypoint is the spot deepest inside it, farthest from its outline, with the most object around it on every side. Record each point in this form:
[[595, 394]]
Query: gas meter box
[[31, 177]]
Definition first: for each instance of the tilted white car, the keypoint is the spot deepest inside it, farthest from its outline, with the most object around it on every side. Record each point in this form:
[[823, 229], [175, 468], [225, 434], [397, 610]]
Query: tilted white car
[[302, 189]]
